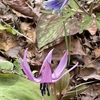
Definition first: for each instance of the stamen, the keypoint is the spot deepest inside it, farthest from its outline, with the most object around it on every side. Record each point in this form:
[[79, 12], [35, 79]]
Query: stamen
[[43, 88]]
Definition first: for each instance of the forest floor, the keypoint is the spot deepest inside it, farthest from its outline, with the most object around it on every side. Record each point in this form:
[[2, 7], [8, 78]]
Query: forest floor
[[84, 48]]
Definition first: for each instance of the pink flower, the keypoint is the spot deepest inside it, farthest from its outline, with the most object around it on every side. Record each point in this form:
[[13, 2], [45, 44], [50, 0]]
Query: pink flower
[[46, 75]]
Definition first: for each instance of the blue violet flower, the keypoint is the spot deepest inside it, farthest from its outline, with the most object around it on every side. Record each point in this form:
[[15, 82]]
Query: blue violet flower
[[55, 5]]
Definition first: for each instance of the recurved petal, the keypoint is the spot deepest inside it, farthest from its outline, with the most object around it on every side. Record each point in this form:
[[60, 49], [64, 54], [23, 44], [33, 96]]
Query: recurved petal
[[55, 80], [63, 62], [65, 1], [27, 70]]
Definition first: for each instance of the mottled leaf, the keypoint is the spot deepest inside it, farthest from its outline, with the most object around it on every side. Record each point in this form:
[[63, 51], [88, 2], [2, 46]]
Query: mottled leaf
[[6, 66], [14, 87], [47, 32], [63, 83], [87, 21], [74, 91]]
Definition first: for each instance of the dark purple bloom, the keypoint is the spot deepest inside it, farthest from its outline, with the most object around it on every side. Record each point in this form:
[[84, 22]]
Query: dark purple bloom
[[55, 5]]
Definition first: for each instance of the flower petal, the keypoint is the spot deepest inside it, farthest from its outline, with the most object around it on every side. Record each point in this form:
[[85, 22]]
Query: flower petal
[[55, 5], [48, 58], [54, 80], [46, 73], [27, 70], [65, 1], [63, 62]]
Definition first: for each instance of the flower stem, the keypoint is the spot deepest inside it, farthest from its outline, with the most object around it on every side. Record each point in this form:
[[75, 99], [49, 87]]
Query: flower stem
[[66, 41], [54, 88]]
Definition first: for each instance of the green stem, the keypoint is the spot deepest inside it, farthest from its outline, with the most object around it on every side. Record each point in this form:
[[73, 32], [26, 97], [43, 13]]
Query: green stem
[[66, 39], [69, 49], [54, 88]]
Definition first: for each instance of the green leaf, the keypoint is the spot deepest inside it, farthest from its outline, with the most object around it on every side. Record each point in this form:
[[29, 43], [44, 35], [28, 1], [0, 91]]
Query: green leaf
[[63, 83], [74, 91], [2, 27], [64, 17], [17, 68], [6, 66], [87, 21], [98, 16], [98, 23], [74, 5], [8, 29], [46, 11], [47, 32], [14, 87]]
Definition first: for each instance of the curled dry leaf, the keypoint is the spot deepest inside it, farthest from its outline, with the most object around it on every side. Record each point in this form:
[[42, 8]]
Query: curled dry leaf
[[76, 47], [22, 7], [92, 92], [97, 52], [3, 8], [92, 28], [6, 40], [97, 7], [28, 31], [89, 73]]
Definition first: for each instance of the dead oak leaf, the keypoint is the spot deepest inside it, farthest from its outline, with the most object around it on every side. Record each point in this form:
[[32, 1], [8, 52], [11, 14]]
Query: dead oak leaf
[[76, 47], [28, 31], [92, 28], [22, 7], [97, 52]]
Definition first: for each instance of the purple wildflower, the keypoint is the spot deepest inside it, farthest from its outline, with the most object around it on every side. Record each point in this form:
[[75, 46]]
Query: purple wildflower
[[46, 75], [55, 5]]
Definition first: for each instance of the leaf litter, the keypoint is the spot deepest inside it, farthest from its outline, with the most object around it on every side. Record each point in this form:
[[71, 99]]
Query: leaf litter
[[85, 47]]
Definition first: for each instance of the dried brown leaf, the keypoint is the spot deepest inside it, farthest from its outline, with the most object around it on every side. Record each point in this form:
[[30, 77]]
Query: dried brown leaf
[[28, 31], [97, 52], [76, 47], [6, 40], [22, 7], [92, 28]]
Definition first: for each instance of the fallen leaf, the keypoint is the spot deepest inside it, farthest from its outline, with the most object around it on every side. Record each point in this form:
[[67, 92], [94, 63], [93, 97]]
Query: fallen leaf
[[28, 31], [7, 40], [22, 7], [14, 52], [76, 47], [88, 63], [2, 8], [92, 93], [89, 73], [97, 52], [92, 28]]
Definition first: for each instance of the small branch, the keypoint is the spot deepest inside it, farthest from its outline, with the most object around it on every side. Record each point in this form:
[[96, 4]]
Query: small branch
[[18, 32]]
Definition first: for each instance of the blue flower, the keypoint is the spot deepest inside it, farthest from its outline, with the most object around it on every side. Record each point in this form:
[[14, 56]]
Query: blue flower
[[55, 5]]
